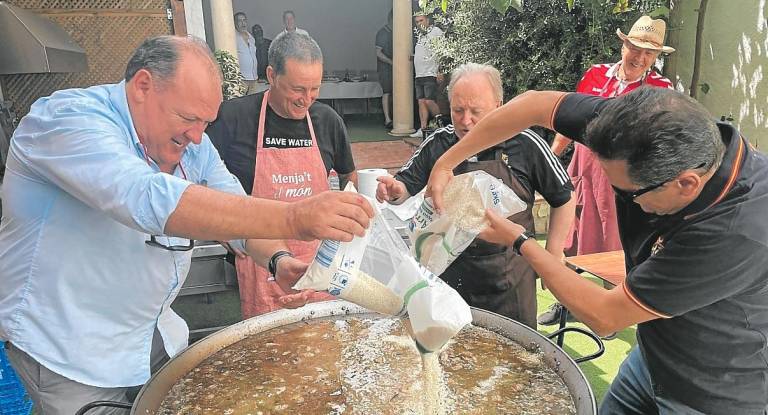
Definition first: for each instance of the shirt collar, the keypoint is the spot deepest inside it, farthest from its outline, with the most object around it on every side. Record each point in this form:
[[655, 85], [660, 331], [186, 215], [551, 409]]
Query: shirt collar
[[613, 72], [726, 175], [119, 99]]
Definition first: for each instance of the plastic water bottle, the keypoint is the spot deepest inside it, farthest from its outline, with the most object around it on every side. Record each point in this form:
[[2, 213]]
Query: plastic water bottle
[[333, 180]]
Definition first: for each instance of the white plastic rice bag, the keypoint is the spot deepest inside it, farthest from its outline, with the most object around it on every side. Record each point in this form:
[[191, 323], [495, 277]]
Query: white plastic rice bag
[[377, 272], [438, 239]]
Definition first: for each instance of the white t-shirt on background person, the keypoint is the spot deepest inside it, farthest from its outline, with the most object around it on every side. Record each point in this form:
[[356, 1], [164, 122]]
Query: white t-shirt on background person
[[246, 55], [424, 61]]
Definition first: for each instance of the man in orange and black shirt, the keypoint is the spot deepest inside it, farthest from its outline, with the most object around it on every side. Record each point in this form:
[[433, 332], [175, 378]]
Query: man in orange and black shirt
[[691, 198]]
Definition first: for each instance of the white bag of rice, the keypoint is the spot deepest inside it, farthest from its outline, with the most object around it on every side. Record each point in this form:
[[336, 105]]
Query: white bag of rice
[[377, 272], [438, 239]]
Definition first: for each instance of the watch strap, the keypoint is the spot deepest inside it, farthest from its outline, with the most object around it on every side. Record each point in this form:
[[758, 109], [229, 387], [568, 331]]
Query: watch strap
[[520, 241], [272, 265]]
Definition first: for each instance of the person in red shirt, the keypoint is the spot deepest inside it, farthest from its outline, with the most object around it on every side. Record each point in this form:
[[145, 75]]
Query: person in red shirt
[[595, 228]]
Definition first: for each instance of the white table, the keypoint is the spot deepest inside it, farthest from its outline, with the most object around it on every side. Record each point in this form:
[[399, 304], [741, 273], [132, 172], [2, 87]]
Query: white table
[[350, 90], [338, 91]]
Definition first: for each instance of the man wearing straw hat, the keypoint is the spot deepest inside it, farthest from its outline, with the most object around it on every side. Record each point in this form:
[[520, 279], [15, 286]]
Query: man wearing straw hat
[[595, 228]]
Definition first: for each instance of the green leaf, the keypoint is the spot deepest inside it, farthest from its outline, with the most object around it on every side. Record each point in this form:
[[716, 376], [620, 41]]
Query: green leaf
[[660, 11], [422, 4], [501, 6], [704, 87], [444, 6], [621, 6], [570, 4]]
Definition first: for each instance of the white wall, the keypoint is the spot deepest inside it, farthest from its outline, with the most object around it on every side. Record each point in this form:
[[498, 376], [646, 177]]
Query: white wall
[[193, 15], [734, 62], [344, 29]]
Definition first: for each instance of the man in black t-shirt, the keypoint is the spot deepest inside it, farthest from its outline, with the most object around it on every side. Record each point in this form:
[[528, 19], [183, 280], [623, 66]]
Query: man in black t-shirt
[[384, 52], [692, 203], [234, 135], [282, 144], [234, 131], [491, 276]]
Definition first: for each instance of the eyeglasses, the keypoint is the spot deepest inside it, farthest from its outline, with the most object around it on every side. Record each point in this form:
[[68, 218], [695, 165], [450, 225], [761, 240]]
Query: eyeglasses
[[177, 248], [631, 196], [628, 196], [153, 238]]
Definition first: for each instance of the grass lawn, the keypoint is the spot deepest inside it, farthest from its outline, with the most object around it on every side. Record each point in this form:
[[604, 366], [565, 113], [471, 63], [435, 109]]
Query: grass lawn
[[367, 127], [600, 371]]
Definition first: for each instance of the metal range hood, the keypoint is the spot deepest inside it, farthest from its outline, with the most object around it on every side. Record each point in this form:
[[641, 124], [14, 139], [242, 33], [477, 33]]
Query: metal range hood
[[33, 44]]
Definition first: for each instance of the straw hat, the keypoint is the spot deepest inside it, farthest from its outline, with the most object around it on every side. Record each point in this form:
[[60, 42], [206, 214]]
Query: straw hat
[[647, 33]]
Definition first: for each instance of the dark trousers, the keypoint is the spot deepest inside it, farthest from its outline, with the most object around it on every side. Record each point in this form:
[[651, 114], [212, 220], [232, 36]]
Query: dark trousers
[[631, 392]]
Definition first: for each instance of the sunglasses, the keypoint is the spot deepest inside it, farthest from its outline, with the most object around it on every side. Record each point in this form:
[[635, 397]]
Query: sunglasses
[[628, 196], [177, 248]]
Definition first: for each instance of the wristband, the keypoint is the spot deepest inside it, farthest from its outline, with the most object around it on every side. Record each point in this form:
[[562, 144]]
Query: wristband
[[520, 241], [272, 265]]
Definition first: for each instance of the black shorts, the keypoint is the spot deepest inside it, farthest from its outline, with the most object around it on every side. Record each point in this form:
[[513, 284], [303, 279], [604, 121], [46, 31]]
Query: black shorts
[[385, 79], [426, 87]]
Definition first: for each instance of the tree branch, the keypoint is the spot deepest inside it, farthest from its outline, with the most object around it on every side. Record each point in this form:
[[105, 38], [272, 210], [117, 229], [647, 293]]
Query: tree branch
[[697, 48]]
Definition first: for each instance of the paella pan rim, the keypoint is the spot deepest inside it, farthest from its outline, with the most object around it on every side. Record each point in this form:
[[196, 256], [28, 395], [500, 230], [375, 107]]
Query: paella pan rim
[[154, 391]]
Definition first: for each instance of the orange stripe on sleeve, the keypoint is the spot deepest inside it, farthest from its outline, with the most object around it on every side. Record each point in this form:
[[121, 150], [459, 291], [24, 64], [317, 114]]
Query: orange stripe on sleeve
[[641, 304], [554, 111]]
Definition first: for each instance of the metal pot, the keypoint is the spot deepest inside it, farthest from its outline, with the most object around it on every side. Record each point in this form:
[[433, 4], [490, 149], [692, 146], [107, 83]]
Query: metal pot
[[152, 394]]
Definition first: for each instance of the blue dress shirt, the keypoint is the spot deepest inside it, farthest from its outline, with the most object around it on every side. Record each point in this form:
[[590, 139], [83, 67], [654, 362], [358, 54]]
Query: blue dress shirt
[[80, 291]]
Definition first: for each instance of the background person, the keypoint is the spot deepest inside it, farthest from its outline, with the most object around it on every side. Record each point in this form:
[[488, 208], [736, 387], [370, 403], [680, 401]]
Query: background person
[[289, 24], [491, 276], [426, 71], [104, 188], [595, 228], [691, 202], [246, 52], [384, 51], [262, 50], [282, 144]]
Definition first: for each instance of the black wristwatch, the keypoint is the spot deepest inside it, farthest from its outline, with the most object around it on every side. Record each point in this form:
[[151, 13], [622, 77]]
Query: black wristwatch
[[520, 241], [272, 266]]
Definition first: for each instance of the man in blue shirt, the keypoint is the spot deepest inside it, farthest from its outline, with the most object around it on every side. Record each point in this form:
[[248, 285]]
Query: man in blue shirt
[[104, 190]]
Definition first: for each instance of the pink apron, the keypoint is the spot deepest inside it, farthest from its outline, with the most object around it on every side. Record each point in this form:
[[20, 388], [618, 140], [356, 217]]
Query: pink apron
[[258, 295]]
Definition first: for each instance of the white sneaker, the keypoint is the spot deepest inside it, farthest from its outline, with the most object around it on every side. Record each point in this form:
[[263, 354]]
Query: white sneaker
[[417, 134]]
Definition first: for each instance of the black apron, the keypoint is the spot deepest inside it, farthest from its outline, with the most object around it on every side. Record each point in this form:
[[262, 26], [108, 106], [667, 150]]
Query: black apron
[[490, 276]]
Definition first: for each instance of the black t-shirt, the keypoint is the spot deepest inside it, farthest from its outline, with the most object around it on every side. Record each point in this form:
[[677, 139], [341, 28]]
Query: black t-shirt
[[234, 135], [707, 279], [528, 156], [384, 41]]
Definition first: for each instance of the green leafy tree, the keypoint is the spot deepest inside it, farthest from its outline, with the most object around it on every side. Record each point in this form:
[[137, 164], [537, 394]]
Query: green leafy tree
[[545, 45], [233, 85]]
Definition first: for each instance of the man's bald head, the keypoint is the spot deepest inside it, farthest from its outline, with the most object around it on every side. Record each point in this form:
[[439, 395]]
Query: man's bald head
[[161, 56]]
